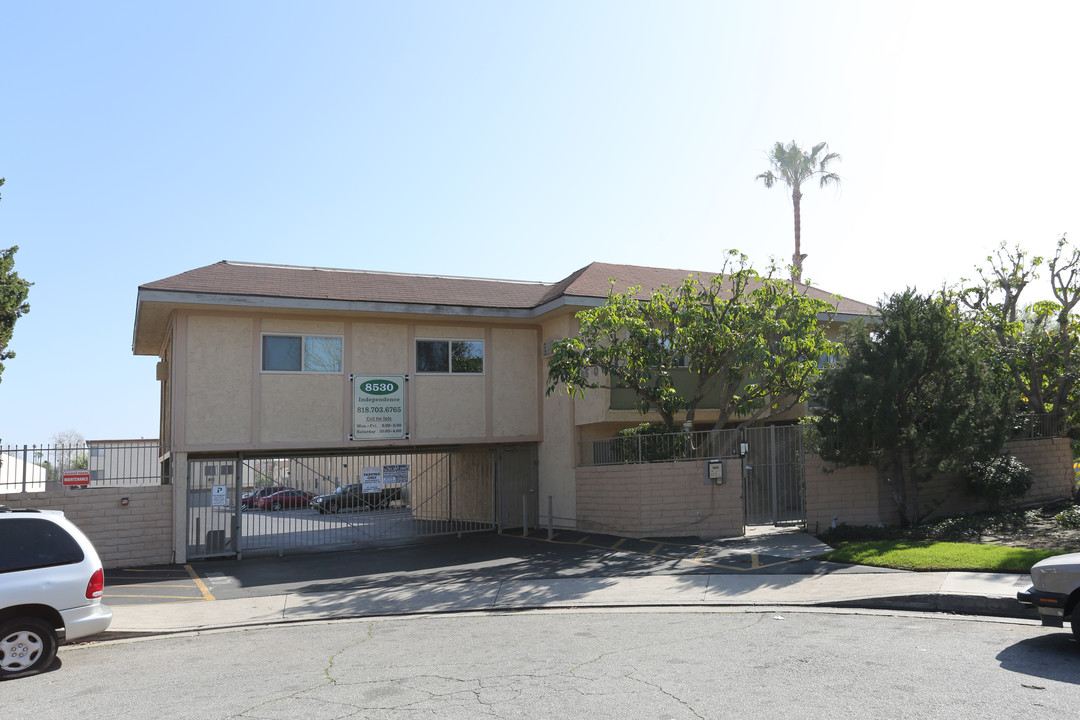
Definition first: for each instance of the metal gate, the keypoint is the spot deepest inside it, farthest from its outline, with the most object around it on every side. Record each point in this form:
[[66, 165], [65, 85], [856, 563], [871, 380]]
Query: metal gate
[[291, 504], [774, 475]]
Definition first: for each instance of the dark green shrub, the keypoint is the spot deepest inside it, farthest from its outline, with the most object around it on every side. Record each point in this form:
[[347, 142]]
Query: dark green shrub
[[1068, 518], [998, 480], [649, 442]]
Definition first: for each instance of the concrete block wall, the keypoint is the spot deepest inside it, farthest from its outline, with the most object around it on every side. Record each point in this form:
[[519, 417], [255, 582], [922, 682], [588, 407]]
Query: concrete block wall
[[850, 495], [659, 499], [1051, 463], [139, 533], [857, 497]]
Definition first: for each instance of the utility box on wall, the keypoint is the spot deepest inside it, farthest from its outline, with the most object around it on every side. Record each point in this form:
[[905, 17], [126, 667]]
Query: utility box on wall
[[714, 472]]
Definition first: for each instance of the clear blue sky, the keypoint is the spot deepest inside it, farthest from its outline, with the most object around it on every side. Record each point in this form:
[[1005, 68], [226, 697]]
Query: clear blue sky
[[516, 140]]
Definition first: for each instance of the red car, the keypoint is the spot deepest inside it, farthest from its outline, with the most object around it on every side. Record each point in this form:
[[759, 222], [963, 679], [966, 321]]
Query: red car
[[251, 499], [284, 499]]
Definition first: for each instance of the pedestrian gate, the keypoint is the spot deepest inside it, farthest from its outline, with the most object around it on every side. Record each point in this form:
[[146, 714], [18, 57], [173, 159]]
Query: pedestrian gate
[[774, 486]]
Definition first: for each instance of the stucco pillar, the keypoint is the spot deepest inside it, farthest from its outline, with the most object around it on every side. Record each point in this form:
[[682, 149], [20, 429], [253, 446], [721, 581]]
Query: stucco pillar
[[180, 509]]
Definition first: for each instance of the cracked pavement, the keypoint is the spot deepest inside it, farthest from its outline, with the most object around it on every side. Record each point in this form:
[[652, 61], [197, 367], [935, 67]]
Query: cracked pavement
[[663, 665]]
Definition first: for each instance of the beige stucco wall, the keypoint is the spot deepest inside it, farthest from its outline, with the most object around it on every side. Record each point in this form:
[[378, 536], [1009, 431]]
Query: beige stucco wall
[[379, 348], [659, 499], [218, 380], [515, 402], [448, 406], [225, 401], [301, 407], [556, 455]]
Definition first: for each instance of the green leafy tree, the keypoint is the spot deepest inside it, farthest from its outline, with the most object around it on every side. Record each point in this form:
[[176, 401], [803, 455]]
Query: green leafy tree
[[13, 294], [752, 342], [916, 394], [1038, 344], [793, 166]]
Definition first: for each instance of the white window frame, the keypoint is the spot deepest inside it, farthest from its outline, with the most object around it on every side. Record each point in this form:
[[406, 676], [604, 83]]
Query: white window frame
[[303, 349], [450, 358]]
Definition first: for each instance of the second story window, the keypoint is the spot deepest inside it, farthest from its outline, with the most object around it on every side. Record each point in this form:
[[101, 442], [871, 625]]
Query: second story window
[[450, 356], [301, 353]]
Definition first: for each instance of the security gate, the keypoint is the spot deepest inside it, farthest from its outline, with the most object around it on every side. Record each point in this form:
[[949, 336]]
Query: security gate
[[773, 475], [292, 504]]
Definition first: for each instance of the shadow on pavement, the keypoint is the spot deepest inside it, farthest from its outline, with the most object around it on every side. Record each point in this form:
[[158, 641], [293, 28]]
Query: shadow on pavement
[[1053, 656]]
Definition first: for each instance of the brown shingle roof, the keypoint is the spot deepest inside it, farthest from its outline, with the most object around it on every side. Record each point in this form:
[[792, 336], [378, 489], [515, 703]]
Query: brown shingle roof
[[232, 278], [311, 283]]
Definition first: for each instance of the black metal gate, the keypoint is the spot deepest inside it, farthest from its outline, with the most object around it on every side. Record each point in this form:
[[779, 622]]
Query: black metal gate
[[273, 505], [774, 475]]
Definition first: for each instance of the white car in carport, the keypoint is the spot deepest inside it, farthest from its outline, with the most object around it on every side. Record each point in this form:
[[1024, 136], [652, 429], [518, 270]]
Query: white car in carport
[[1055, 591], [51, 582]]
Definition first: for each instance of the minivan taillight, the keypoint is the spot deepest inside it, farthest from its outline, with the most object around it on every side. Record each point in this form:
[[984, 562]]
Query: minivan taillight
[[96, 586]]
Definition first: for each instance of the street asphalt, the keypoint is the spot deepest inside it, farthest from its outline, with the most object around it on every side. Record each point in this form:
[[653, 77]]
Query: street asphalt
[[491, 572]]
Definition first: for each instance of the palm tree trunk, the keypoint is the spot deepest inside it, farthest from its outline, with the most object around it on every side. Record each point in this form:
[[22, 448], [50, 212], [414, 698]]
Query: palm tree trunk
[[798, 257]]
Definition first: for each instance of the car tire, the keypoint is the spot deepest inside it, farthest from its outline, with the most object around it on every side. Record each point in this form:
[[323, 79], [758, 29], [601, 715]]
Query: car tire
[[27, 647], [276, 506], [1075, 623]]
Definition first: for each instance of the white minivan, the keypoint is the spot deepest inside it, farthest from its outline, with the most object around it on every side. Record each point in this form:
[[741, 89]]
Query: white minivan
[[51, 582]]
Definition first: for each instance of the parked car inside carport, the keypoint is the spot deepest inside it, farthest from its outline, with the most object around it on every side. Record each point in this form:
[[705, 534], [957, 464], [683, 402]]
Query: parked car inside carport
[[348, 497], [289, 498], [250, 499]]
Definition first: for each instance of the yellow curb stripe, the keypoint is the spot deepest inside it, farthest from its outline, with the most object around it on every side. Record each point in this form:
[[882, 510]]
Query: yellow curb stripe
[[199, 583], [616, 545]]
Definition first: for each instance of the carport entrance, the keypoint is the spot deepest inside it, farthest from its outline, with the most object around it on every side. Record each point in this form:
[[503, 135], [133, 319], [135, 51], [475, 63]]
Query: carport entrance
[[263, 505]]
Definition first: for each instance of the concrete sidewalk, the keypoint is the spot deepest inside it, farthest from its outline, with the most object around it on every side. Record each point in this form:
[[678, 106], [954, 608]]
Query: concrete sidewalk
[[954, 592]]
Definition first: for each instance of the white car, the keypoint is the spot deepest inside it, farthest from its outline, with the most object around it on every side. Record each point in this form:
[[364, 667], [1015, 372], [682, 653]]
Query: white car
[[1055, 591], [51, 581]]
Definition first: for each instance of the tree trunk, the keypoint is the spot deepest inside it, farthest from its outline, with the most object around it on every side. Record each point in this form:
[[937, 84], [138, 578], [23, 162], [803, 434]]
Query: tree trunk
[[798, 257]]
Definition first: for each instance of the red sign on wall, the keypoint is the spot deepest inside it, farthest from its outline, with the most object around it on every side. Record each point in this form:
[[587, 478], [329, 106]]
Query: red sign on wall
[[76, 477]]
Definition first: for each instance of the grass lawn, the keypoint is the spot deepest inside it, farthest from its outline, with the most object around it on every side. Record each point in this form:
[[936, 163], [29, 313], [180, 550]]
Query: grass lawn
[[932, 555]]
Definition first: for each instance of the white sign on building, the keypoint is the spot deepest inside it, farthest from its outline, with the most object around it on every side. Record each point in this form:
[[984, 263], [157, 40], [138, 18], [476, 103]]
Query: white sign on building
[[378, 407]]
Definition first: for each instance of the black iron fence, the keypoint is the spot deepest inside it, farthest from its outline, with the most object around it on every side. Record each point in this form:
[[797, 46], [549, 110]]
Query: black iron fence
[[665, 447], [675, 446], [36, 468]]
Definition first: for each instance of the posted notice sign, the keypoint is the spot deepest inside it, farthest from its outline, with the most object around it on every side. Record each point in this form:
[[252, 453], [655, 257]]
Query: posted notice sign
[[378, 407], [76, 477]]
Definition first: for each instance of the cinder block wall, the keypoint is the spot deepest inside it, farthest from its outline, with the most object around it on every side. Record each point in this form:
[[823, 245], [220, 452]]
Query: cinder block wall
[[857, 497], [139, 533], [658, 500]]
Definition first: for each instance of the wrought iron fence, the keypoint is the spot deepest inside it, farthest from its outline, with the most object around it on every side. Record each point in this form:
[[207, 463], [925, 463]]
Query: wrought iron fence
[[700, 444], [665, 447], [1036, 426], [36, 468]]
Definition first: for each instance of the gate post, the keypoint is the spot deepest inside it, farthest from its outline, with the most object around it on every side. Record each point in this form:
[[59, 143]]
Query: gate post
[[179, 468]]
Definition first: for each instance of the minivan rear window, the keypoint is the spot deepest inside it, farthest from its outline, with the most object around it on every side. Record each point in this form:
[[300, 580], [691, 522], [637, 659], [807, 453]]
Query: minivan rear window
[[28, 543]]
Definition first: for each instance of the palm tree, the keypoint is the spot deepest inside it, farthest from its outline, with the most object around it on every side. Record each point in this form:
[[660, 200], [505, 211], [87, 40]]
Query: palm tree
[[794, 166]]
